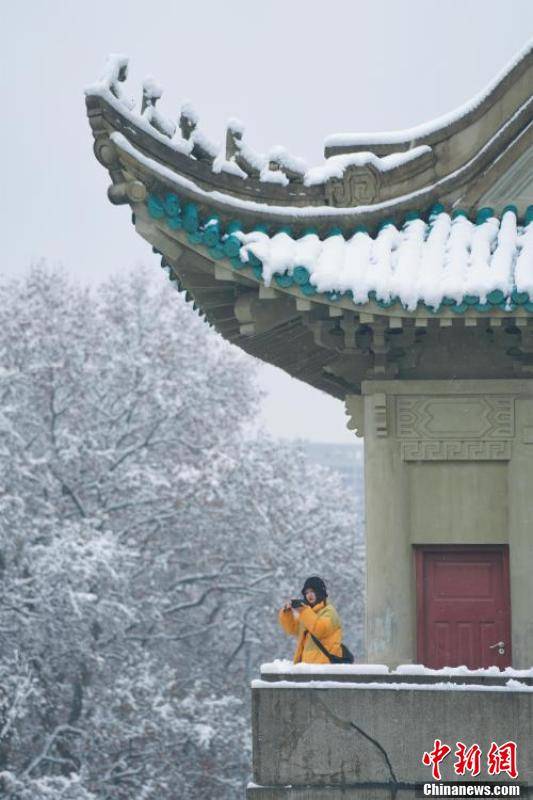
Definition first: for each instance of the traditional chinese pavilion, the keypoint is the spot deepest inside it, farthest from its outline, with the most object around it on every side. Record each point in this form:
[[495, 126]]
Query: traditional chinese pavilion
[[396, 276]]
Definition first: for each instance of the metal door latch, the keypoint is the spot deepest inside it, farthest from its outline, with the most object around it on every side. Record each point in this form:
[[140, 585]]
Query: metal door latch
[[500, 646]]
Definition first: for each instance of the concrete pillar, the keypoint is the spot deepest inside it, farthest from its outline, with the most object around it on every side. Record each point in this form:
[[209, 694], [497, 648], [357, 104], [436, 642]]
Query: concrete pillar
[[389, 616], [520, 482]]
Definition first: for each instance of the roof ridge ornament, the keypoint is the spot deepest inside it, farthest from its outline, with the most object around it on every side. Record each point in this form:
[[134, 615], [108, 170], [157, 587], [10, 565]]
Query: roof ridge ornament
[[294, 168], [202, 148], [116, 72], [369, 284], [152, 93], [236, 150], [346, 189], [359, 185]]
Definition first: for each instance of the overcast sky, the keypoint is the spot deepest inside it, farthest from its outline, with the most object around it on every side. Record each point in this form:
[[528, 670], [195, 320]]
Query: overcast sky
[[292, 71]]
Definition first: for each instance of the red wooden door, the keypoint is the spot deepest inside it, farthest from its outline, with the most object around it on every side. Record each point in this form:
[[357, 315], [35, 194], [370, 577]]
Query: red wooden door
[[463, 606]]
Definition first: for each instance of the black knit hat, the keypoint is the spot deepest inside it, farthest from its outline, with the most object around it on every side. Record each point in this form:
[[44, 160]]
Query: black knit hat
[[318, 586]]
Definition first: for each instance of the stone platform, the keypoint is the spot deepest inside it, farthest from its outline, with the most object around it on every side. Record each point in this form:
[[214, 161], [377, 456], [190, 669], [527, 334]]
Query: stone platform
[[343, 732]]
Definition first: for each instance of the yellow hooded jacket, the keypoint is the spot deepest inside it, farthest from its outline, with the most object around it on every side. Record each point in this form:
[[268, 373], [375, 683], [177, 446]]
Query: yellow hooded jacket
[[323, 622]]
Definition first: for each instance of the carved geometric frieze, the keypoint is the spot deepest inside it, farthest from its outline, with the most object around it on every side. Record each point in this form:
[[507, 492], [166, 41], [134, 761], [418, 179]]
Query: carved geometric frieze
[[357, 186], [450, 450], [455, 418]]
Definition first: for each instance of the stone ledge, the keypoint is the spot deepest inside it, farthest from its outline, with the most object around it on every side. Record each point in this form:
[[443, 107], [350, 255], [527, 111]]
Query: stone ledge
[[335, 736], [356, 674], [355, 792]]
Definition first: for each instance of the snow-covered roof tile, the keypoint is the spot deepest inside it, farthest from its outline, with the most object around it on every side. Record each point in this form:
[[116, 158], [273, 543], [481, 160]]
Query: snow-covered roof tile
[[441, 260]]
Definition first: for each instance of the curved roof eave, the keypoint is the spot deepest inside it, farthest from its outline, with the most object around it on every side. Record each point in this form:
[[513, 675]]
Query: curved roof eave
[[465, 159], [445, 126], [325, 338]]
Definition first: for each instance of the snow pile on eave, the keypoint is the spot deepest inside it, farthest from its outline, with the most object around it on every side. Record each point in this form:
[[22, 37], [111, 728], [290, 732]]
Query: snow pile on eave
[[420, 262], [426, 129], [161, 127], [335, 166], [109, 89], [179, 181]]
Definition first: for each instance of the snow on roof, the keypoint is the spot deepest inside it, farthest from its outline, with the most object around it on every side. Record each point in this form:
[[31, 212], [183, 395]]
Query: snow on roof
[[447, 259], [156, 124], [239, 204], [334, 166], [442, 261], [428, 128]]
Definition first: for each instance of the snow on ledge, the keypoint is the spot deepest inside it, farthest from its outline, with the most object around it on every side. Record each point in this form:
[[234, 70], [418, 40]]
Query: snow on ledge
[[286, 667], [252, 785], [512, 685], [420, 669], [334, 166]]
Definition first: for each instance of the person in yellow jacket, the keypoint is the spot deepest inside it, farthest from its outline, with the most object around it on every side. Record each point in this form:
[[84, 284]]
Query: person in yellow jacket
[[318, 617]]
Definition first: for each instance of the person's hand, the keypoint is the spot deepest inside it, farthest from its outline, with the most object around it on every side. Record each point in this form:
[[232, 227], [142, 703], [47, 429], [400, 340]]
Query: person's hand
[[287, 606]]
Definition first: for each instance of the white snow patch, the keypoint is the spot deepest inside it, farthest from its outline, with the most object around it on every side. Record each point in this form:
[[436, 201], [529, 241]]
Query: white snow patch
[[268, 175], [222, 164], [305, 212], [256, 160], [177, 143], [420, 669], [212, 148], [151, 89], [187, 110], [426, 129], [252, 785], [285, 159], [235, 125], [444, 686], [420, 262], [524, 262], [152, 92], [160, 126], [334, 166], [286, 667], [115, 70]]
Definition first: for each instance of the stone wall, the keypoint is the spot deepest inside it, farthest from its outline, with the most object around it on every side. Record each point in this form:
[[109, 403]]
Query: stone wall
[[332, 740]]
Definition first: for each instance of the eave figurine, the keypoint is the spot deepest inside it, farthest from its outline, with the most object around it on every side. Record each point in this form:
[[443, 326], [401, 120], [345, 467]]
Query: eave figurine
[[396, 276]]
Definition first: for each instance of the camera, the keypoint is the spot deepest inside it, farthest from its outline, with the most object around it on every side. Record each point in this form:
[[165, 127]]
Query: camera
[[295, 603]]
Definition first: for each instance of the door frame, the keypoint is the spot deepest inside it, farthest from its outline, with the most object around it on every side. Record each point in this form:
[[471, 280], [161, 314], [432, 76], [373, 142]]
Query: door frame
[[419, 552]]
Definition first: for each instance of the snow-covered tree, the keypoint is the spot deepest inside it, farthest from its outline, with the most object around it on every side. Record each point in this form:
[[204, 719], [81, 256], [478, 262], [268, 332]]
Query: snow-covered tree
[[146, 538]]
